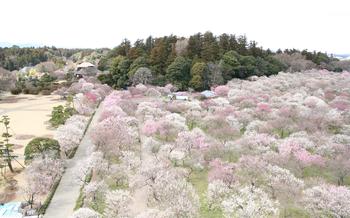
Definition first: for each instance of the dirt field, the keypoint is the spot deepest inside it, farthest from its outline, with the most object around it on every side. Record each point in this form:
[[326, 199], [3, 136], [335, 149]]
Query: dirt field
[[29, 115]]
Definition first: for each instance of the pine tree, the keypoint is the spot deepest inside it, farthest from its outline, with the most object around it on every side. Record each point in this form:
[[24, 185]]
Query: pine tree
[[158, 57], [6, 152], [210, 47], [194, 47], [224, 43], [124, 47]]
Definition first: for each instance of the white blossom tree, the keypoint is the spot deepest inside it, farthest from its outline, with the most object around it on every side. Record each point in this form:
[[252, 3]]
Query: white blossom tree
[[142, 75], [327, 201], [85, 213], [250, 201], [117, 204]]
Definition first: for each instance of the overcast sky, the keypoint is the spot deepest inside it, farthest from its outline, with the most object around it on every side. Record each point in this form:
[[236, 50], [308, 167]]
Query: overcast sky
[[313, 24]]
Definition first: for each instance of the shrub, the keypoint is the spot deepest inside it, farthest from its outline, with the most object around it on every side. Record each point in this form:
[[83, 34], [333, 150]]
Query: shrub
[[46, 92], [60, 114], [16, 91], [39, 146], [31, 90]]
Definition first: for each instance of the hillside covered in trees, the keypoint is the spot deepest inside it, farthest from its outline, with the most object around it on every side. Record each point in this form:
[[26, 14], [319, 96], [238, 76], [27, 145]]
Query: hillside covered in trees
[[199, 62], [202, 60], [15, 58]]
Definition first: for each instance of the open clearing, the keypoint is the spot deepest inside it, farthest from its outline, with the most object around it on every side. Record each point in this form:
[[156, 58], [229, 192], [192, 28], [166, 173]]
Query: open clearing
[[29, 116]]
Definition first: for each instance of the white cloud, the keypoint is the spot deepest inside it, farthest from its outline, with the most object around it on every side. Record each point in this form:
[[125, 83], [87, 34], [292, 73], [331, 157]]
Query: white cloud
[[314, 24]]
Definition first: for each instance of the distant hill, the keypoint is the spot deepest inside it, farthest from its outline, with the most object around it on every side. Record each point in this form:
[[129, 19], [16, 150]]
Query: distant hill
[[343, 56], [21, 45]]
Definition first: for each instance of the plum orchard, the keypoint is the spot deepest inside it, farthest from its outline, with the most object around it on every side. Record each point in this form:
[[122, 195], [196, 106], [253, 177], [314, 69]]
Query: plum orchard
[[274, 146]]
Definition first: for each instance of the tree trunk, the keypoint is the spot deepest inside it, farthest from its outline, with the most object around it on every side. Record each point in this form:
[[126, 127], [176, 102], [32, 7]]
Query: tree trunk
[[9, 164], [8, 160]]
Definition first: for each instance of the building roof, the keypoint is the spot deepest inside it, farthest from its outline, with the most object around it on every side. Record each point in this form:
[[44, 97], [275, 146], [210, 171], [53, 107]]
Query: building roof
[[85, 65], [208, 93]]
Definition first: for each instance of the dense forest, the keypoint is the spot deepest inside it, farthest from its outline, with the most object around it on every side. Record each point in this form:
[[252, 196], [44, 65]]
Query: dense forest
[[199, 62]]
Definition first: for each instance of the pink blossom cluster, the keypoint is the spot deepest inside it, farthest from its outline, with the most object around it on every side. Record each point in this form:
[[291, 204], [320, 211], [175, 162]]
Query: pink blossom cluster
[[112, 111], [112, 99], [165, 128], [194, 139], [290, 147], [222, 90], [263, 107], [223, 171], [112, 135], [85, 103]]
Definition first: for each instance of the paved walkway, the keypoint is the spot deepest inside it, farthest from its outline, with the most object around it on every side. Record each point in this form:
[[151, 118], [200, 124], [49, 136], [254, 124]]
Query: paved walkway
[[68, 191]]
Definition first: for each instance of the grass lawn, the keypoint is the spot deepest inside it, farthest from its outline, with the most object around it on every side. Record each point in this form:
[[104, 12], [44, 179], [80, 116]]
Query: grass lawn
[[199, 180]]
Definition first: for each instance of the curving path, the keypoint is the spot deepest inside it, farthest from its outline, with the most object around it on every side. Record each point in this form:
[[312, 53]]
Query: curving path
[[63, 202]]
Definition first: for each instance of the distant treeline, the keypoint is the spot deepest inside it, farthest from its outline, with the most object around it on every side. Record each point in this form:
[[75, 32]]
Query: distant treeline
[[15, 58], [200, 61]]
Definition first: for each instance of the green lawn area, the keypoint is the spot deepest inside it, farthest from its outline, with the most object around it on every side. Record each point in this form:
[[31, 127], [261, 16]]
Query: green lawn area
[[293, 212], [199, 180], [327, 174]]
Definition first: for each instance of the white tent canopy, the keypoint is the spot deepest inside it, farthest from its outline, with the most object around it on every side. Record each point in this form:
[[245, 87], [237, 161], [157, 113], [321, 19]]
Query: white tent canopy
[[208, 94], [85, 65]]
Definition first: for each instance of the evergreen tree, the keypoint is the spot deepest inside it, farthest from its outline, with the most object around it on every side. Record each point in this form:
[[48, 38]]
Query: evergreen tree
[[159, 56], [233, 43], [119, 71], [228, 64], [224, 43], [194, 47], [178, 72], [254, 50], [210, 47], [136, 64], [123, 48], [6, 152], [149, 44], [199, 76], [247, 67], [242, 45], [138, 50]]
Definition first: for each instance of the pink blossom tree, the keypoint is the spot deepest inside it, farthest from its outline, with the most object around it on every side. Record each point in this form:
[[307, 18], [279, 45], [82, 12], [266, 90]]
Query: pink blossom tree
[[40, 176], [294, 148], [112, 135], [192, 140], [113, 111], [85, 103], [165, 129], [219, 128], [222, 90], [222, 171]]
